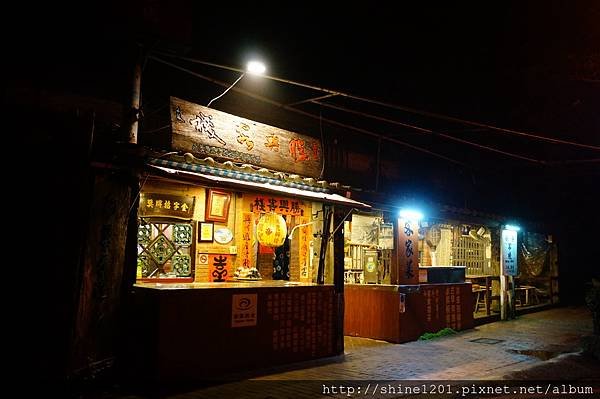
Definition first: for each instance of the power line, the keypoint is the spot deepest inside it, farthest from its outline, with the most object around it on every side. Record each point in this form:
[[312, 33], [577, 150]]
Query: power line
[[373, 134], [395, 106], [429, 131], [308, 114]]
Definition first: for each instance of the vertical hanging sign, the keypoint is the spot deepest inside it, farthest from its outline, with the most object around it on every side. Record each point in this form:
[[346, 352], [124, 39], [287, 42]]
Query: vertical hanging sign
[[508, 253], [246, 253], [408, 255], [304, 245]]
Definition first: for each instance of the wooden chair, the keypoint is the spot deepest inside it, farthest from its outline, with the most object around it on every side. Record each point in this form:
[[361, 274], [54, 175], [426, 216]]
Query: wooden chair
[[479, 293]]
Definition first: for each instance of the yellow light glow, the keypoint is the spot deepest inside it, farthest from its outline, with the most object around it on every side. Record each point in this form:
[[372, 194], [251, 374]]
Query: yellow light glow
[[256, 67]]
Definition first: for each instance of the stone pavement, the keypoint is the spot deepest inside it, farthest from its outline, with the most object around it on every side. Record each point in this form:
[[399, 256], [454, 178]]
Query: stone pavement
[[536, 346]]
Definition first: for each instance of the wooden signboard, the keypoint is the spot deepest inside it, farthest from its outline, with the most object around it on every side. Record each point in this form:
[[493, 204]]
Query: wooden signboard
[[408, 252], [282, 206], [204, 132], [156, 204]]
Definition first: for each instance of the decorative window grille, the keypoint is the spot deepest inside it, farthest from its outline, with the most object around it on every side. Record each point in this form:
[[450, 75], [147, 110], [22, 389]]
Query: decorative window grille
[[469, 252], [164, 249]]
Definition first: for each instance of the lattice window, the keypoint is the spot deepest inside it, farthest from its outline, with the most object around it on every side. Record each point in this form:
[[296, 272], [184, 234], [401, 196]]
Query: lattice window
[[469, 252], [164, 249]]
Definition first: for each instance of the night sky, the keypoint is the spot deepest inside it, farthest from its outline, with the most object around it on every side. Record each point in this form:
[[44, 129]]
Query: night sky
[[527, 65]]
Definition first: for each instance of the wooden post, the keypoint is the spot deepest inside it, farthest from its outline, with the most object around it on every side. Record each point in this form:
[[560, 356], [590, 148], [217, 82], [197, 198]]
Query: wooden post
[[338, 276], [394, 261], [511, 300], [378, 165], [134, 110], [502, 297], [327, 213]]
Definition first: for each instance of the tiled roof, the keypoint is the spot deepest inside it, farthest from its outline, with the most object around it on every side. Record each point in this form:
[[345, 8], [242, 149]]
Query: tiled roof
[[243, 171]]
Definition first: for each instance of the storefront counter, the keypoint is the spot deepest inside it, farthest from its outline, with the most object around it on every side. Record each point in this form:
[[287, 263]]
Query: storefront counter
[[225, 285], [397, 313], [197, 331]]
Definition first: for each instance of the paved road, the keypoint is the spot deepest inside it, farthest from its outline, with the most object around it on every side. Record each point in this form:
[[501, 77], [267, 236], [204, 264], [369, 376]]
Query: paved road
[[537, 346]]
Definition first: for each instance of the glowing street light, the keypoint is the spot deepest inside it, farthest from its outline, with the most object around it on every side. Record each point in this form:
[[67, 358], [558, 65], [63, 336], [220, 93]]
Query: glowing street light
[[256, 68], [253, 68], [411, 214], [512, 227]]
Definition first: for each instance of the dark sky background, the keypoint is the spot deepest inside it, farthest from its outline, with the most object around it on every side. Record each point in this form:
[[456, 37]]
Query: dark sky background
[[512, 64], [532, 65]]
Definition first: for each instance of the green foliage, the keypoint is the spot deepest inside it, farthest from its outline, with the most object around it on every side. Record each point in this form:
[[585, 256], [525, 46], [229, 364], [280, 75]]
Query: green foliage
[[441, 333]]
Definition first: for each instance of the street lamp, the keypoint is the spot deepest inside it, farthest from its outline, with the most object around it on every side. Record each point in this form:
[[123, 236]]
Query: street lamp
[[411, 214], [512, 227], [256, 68], [253, 67]]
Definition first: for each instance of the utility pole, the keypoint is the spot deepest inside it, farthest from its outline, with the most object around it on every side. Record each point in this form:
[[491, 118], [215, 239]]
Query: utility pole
[[136, 89]]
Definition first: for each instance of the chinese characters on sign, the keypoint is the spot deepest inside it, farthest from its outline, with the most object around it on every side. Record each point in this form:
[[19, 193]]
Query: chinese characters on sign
[[304, 244], [408, 252], [244, 310], [282, 206], [304, 150], [302, 322], [508, 253], [443, 310], [247, 249], [272, 143], [453, 310], [204, 124], [208, 132], [218, 268], [153, 204]]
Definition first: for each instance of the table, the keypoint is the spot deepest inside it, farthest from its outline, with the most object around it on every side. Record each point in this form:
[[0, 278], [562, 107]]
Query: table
[[529, 290], [486, 279]]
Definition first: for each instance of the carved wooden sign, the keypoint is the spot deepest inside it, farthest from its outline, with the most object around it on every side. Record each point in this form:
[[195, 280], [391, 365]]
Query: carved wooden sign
[[156, 204], [205, 132], [408, 252]]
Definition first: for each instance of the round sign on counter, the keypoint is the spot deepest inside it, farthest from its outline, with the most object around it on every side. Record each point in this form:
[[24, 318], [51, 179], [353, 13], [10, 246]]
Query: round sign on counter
[[223, 236]]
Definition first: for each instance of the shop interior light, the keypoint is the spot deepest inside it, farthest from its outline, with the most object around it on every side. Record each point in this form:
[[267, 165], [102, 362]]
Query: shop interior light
[[512, 227], [411, 214]]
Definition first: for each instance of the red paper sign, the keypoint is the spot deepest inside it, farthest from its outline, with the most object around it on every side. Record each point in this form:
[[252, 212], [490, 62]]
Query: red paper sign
[[219, 268]]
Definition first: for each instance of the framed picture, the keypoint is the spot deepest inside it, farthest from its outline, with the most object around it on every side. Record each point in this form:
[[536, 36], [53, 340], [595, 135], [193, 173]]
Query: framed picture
[[205, 232], [217, 206]]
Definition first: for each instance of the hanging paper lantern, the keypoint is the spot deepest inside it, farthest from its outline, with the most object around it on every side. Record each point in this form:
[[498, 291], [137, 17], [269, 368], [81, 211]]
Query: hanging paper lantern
[[271, 230]]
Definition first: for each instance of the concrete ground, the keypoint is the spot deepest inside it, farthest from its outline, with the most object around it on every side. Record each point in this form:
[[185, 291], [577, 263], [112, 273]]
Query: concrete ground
[[542, 346]]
